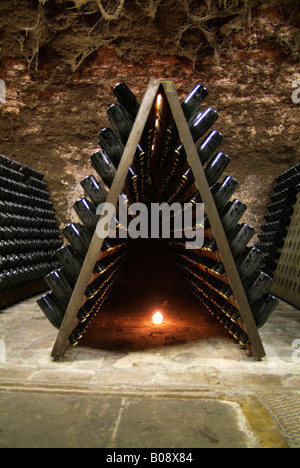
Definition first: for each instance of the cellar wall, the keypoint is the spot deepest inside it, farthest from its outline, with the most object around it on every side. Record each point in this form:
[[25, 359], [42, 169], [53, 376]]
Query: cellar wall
[[55, 107]]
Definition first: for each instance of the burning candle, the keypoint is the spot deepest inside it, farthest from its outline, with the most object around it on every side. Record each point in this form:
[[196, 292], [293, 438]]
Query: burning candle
[[157, 318]]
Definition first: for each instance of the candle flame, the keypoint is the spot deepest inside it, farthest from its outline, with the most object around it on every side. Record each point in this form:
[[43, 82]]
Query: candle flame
[[157, 318], [159, 102]]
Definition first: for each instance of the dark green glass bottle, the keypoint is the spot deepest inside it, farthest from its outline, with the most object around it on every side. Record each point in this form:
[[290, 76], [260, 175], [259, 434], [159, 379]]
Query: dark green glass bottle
[[255, 285], [104, 167], [216, 167], [194, 100], [112, 146], [86, 212], [263, 309], [239, 237], [71, 261], [210, 146], [203, 123], [120, 121], [127, 99], [222, 192], [94, 190], [232, 214], [52, 308]]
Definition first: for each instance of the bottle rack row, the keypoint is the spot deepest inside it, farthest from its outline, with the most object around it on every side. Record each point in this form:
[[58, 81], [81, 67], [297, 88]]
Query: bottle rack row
[[205, 270], [148, 156], [283, 261], [29, 235], [62, 282], [279, 217]]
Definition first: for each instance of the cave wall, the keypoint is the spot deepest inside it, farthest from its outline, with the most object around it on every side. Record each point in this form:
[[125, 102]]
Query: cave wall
[[60, 60]]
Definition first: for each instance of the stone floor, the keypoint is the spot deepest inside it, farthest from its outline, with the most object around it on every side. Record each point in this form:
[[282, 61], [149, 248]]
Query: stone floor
[[207, 392]]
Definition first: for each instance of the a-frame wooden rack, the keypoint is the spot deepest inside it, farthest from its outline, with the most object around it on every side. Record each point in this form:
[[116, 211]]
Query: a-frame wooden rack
[[167, 88]]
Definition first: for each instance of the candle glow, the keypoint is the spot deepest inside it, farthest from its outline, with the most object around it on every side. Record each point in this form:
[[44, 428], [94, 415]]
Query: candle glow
[[157, 318]]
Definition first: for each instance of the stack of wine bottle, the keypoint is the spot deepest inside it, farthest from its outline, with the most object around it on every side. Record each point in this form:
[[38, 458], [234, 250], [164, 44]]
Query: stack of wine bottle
[[160, 173], [29, 236], [205, 273], [62, 281], [280, 213], [78, 236], [203, 268]]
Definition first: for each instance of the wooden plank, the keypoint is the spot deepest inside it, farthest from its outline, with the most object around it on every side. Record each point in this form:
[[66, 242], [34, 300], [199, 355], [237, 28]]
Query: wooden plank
[[96, 243], [214, 218]]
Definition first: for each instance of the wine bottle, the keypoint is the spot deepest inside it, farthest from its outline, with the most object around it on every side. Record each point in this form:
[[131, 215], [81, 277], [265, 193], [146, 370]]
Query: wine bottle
[[210, 146], [231, 214], [256, 285], [59, 282], [273, 237], [7, 279], [210, 245], [270, 248], [224, 191], [79, 237], [216, 168], [29, 171], [52, 308], [7, 162], [84, 313], [111, 145], [270, 262], [33, 182], [289, 194], [6, 233], [86, 212], [104, 167], [288, 174], [292, 182], [190, 107], [94, 190], [3, 219], [281, 205], [70, 260], [194, 100], [185, 182], [239, 237], [196, 198], [127, 99], [250, 262], [218, 267], [263, 309], [120, 121], [3, 262], [11, 174], [275, 226], [12, 261], [202, 123], [107, 262]]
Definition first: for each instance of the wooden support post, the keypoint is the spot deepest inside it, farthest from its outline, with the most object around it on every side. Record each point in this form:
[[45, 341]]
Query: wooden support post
[[96, 243]]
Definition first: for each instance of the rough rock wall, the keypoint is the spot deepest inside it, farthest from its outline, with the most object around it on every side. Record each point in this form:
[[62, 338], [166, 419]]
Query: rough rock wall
[[59, 85]]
